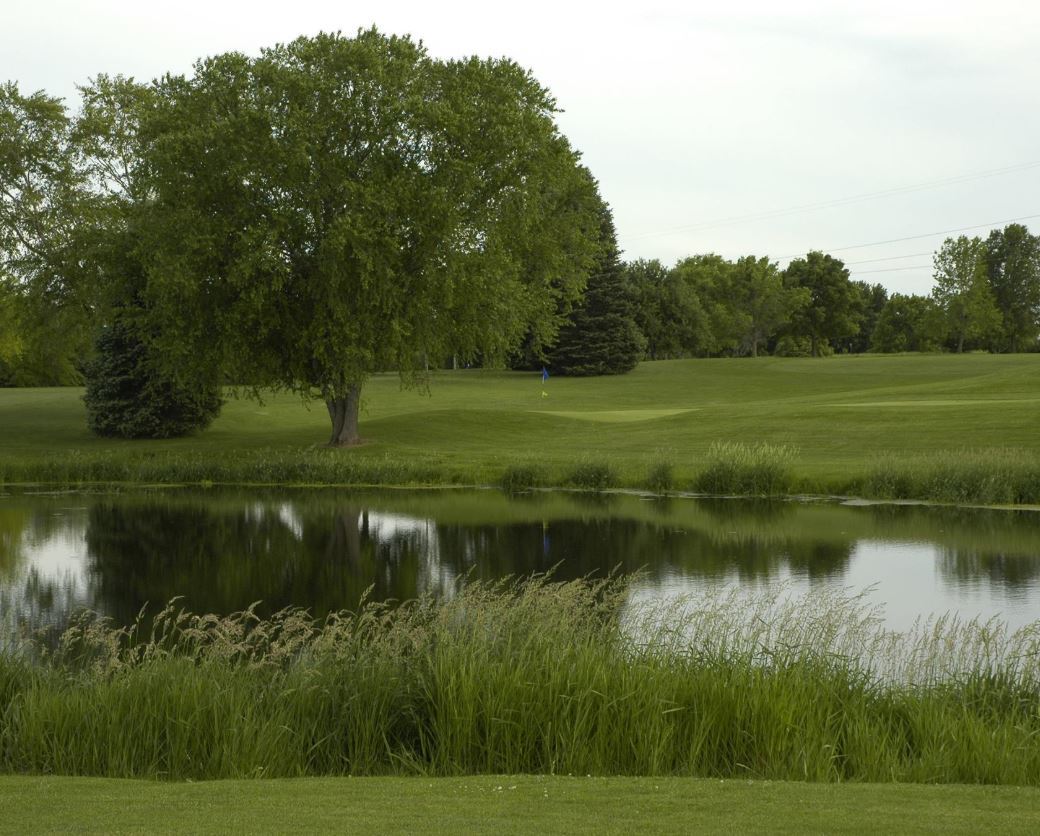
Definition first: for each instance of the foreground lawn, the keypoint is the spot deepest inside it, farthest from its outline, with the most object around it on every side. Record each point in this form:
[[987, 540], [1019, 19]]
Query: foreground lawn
[[840, 412], [508, 804]]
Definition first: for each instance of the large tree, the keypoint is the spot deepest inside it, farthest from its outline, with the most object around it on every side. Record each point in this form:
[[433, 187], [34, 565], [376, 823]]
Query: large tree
[[962, 291], [908, 323], [130, 391], [873, 298], [834, 307], [667, 311], [341, 206], [1013, 262], [43, 195], [761, 302], [708, 275]]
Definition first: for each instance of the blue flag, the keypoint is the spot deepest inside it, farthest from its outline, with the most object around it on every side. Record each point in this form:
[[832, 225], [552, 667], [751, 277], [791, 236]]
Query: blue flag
[[545, 374]]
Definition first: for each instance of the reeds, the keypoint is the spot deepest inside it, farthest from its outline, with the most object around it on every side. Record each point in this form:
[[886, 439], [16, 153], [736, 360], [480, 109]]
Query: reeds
[[728, 469], [592, 476], [534, 677], [317, 466], [992, 477], [521, 478], [739, 469]]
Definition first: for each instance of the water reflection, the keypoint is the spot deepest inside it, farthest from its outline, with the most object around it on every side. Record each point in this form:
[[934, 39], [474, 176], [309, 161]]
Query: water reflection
[[323, 549]]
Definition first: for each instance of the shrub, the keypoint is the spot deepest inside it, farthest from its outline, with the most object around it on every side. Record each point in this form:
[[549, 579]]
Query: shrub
[[128, 397]]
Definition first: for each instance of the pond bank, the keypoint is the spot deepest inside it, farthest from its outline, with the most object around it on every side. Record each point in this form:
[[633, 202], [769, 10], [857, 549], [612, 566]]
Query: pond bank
[[971, 477]]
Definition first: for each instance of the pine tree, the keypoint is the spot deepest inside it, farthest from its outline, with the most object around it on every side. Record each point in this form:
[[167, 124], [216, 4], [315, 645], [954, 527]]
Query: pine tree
[[127, 397], [601, 336]]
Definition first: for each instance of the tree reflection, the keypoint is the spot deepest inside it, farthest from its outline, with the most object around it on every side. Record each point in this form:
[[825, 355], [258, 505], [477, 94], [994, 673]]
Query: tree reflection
[[322, 550], [969, 566]]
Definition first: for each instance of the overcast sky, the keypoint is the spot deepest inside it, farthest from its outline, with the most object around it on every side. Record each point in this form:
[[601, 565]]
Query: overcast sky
[[740, 127]]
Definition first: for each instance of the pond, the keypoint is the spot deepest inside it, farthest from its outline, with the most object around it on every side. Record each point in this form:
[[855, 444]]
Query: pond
[[222, 550]]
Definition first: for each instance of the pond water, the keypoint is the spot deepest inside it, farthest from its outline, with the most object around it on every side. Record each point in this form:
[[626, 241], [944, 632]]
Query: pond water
[[322, 548]]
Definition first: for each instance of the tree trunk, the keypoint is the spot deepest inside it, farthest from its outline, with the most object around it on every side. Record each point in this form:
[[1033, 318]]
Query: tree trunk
[[960, 343], [344, 415], [812, 341]]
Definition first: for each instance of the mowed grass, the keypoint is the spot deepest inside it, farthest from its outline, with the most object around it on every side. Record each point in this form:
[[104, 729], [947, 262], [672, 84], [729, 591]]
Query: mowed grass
[[508, 804], [842, 414]]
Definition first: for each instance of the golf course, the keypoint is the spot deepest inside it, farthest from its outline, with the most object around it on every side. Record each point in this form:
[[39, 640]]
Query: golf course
[[942, 427]]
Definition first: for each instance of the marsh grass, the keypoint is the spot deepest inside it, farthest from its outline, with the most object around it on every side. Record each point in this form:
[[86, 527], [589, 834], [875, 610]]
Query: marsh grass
[[734, 468], [592, 476], [661, 477], [534, 676], [995, 477], [520, 478], [318, 466]]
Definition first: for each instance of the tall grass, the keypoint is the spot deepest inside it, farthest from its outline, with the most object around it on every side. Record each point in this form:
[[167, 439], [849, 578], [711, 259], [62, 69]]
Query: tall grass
[[989, 476], [734, 468], [318, 466], [592, 475], [994, 477], [534, 677]]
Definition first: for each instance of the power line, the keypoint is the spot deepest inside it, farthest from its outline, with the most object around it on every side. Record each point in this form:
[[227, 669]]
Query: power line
[[991, 225], [893, 269], [888, 258], [841, 201]]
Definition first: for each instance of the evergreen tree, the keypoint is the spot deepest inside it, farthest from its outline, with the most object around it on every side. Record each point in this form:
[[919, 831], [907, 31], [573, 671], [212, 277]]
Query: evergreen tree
[[601, 335], [129, 397]]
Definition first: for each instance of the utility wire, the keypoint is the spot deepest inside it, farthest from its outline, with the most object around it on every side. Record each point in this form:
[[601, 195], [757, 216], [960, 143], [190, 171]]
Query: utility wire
[[888, 258], [841, 201], [991, 225], [892, 269]]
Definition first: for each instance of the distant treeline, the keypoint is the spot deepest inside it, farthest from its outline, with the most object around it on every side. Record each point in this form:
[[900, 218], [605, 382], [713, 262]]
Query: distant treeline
[[986, 296]]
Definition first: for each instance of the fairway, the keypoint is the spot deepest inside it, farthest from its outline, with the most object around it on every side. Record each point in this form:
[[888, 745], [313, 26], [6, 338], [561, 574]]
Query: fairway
[[840, 413]]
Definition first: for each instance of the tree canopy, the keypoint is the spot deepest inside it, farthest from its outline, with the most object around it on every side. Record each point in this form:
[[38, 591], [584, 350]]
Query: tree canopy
[[834, 306], [1013, 265], [962, 291], [667, 311], [342, 206], [42, 201]]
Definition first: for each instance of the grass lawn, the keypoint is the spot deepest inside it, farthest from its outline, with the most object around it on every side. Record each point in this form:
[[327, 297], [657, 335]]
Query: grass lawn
[[504, 804], [840, 412]]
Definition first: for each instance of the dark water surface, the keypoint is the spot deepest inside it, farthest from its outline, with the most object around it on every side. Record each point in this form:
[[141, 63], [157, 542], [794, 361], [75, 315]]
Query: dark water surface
[[320, 549]]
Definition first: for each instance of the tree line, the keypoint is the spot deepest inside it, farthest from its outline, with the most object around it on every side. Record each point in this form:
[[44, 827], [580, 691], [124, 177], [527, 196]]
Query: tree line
[[986, 296]]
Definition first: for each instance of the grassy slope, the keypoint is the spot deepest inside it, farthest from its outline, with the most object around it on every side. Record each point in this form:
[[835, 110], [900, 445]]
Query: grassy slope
[[525, 804], [840, 412]]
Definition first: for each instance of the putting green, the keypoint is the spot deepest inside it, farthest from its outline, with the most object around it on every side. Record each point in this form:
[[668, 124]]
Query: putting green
[[617, 416]]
